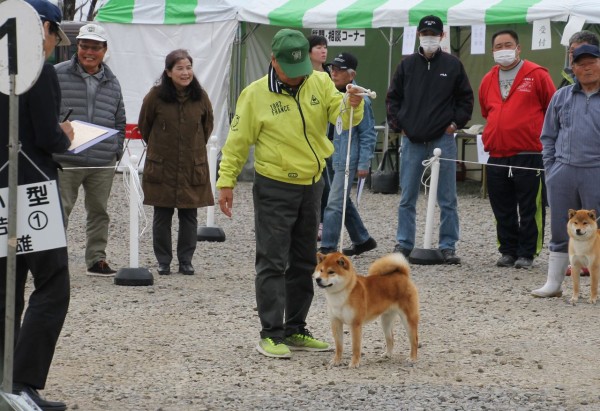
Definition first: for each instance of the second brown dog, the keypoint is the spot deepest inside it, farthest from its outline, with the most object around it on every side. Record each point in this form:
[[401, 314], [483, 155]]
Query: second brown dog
[[584, 250]]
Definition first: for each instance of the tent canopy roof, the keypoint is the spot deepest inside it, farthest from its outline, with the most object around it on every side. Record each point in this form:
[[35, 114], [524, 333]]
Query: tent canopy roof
[[346, 13], [167, 11]]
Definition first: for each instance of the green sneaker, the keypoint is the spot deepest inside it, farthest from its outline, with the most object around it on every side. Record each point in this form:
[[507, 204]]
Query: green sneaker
[[273, 347], [304, 341]]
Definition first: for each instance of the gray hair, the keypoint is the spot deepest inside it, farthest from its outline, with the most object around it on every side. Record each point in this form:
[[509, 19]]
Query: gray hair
[[584, 36]]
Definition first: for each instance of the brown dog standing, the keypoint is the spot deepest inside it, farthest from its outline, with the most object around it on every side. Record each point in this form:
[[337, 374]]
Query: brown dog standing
[[584, 250], [386, 292]]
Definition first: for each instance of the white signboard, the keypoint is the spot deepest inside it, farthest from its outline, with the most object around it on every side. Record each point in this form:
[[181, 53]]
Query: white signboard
[[342, 37], [541, 37], [39, 218], [21, 45], [478, 39], [408, 40]]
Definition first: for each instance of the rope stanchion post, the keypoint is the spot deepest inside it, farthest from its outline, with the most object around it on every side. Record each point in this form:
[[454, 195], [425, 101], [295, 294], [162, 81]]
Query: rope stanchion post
[[133, 275], [211, 232], [428, 255]]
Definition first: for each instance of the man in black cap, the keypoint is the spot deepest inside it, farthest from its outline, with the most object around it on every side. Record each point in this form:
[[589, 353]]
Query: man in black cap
[[364, 137], [40, 135], [428, 100]]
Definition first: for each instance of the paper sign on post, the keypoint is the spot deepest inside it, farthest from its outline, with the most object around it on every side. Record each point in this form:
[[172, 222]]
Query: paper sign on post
[[87, 134], [478, 39], [39, 218], [408, 40], [541, 37]]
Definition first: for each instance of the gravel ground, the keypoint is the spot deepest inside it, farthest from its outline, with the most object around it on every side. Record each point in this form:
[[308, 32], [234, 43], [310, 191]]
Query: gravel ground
[[187, 342]]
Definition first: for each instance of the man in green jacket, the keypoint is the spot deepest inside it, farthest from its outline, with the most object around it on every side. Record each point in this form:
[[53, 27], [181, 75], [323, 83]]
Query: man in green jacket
[[285, 115]]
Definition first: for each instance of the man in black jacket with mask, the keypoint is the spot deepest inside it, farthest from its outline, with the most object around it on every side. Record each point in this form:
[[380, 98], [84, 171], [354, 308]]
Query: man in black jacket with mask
[[428, 100]]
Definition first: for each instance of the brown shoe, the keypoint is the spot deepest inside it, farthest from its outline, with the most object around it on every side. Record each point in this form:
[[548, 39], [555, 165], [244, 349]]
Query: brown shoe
[[101, 269]]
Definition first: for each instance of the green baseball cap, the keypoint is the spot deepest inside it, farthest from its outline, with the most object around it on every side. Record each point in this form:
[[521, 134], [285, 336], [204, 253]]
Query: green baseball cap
[[290, 49]]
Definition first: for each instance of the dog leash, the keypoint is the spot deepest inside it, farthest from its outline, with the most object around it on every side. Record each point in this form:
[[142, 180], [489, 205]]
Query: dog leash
[[363, 92]]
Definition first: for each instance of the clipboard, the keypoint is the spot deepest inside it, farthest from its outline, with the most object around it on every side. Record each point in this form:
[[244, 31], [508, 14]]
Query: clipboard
[[87, 135]]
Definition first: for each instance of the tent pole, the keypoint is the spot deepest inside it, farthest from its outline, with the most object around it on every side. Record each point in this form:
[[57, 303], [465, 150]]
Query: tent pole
[[237, 71], [386, 133]]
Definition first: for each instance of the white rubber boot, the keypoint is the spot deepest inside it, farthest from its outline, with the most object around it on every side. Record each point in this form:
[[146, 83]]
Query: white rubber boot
[[557, 266]]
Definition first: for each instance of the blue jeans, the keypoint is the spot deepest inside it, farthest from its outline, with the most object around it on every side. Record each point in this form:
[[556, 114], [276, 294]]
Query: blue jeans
[[332, 220], [327, 176], [411, 169]]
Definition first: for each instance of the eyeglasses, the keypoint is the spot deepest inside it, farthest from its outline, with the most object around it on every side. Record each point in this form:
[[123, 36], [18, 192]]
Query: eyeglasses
[[53, 29], [95, 49]]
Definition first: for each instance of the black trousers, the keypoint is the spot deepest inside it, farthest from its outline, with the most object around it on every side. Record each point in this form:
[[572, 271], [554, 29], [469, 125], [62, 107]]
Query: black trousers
[[286, 219], [187, 237], [36, 336], [517, 197]]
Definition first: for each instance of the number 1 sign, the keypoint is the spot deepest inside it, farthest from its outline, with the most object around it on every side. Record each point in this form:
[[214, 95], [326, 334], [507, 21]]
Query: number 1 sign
[[21, 46]]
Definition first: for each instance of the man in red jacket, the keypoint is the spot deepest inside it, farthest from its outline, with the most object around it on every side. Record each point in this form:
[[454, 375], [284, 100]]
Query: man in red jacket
[[514, 96]]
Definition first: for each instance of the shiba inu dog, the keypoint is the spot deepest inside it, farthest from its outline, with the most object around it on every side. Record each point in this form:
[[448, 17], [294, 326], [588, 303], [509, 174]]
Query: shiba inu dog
[[386, 292], [584, 250]]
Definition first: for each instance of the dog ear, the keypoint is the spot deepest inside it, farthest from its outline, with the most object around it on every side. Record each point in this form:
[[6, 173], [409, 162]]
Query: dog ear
[[571, 213], [343, 261], [592, 214], [320, 258]]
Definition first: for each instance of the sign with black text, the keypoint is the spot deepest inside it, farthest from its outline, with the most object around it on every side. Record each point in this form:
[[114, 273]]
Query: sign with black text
[[39, 218], [342, 37]]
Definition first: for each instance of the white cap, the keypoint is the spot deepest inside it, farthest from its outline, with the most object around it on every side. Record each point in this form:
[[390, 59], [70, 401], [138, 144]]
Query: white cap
[[92, 32]]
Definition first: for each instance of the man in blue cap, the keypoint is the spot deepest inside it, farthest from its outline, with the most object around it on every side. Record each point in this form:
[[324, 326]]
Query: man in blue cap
[[571, 156], [40, 135]]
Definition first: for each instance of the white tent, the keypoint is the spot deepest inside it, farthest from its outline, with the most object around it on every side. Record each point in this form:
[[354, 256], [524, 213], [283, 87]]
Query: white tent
[[331, 14], [142, 32]]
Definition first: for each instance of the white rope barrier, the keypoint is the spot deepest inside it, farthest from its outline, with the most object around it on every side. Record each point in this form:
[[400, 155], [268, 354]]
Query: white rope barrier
[[135, 194]]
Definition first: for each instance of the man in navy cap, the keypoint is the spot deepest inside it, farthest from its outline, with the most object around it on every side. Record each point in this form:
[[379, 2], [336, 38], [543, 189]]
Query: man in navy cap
[[571, 155], [40, 135]]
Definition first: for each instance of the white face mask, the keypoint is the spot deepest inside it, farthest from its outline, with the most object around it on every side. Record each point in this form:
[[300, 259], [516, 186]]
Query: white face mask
[[430, 44], [505, 57]]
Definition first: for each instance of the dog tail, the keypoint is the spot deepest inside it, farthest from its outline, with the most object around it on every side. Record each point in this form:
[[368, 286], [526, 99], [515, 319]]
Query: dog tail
[[390, 264]]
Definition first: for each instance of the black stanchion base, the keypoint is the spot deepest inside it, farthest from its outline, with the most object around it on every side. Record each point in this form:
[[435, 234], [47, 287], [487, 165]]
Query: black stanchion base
[[215, 234], [134, 277], [424, 256]]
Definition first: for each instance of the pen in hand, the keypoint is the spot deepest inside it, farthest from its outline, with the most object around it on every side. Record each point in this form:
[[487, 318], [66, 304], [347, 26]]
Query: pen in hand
[[67, 115]]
